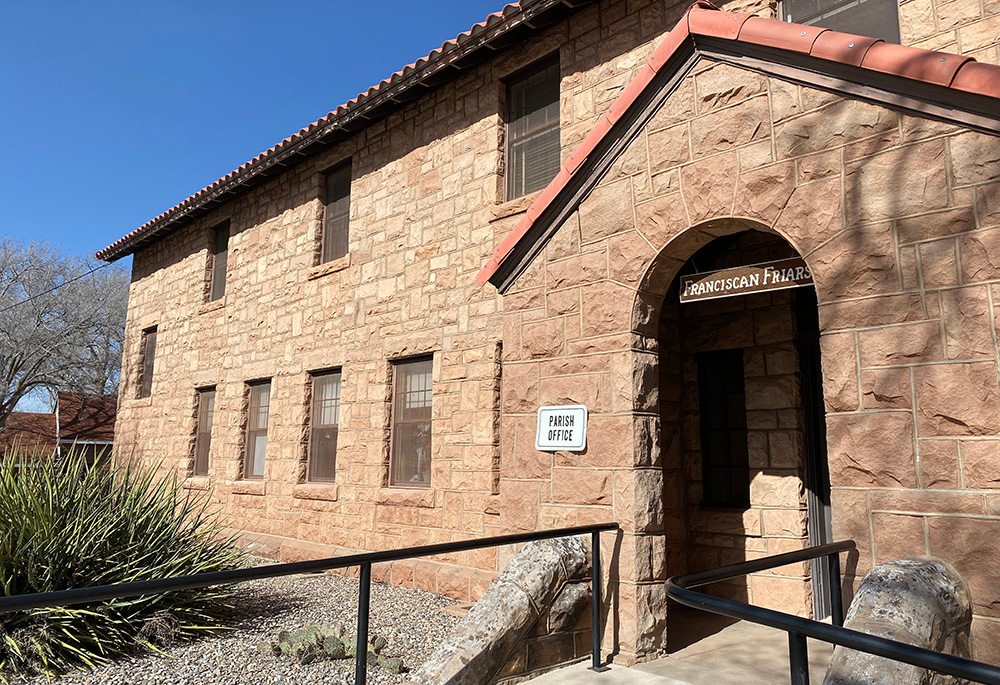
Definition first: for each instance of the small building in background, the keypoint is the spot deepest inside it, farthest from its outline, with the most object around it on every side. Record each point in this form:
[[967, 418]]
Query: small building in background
[[84, 421]]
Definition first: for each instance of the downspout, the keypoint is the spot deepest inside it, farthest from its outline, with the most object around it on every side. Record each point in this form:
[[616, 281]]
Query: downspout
[[58, 432]]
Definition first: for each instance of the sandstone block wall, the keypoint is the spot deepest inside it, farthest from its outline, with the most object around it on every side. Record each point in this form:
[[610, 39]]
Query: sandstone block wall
[[898, 217]]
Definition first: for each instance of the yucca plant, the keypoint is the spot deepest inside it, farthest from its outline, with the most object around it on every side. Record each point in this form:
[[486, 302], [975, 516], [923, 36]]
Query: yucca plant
[[64, 524]]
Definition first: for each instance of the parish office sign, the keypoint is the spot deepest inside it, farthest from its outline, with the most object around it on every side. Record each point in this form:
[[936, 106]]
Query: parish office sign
[[743, 280]]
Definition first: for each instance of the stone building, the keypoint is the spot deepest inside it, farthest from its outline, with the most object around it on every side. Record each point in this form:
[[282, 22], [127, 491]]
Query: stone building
[[307, 337]]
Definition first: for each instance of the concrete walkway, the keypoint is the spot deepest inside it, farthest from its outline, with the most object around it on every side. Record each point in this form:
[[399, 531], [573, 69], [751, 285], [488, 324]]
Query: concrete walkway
[[711, 650]]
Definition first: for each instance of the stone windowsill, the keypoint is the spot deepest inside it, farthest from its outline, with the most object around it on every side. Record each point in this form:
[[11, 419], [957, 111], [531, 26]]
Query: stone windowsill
[[422, 498], [329, 267], [212, 306], [142, 401], [516, 206], [195, 483], [248, 487], [321, 491]]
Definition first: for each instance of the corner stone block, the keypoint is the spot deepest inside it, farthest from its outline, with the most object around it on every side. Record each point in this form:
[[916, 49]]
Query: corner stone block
[[840, 371], [639, 500], [873, 449]]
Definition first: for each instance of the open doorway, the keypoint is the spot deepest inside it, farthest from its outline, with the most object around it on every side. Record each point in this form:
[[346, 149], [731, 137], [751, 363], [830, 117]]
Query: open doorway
[[743, 431]]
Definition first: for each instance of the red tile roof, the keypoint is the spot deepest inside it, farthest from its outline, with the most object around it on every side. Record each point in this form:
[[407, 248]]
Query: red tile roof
[[87, 418], [518, 14], [29, 432], [705, 19]]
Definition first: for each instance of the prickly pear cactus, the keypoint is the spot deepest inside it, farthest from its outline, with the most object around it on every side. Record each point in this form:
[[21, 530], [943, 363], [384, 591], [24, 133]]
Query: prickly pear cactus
[[325, 643]]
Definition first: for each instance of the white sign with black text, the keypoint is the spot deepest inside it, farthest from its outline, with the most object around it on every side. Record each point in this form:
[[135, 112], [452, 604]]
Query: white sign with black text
[[562, 428]]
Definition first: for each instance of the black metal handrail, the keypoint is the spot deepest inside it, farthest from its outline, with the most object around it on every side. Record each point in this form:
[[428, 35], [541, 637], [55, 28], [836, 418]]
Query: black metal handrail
[[42, 600], [798, 628]]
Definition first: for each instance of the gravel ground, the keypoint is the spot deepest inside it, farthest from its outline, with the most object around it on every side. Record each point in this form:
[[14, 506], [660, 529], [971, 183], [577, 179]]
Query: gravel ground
[[411, 620]]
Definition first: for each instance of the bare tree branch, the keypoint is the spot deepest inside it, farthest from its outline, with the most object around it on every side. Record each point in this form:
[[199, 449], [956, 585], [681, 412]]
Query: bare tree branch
[[62, 323]]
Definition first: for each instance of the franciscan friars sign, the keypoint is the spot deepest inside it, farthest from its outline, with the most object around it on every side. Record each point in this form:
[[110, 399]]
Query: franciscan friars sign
[[743, 280], [562, 428]]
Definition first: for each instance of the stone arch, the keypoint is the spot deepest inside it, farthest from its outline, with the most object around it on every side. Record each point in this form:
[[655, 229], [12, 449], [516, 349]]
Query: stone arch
[[663, 268], [650, 295]]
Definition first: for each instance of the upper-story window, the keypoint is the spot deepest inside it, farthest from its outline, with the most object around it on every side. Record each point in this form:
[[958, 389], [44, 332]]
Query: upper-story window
[[875, 18], [337, 214], [220, 260], [146, 365], [324, 426], [410, 459], [532, 128], [260, 403], [203, 431]]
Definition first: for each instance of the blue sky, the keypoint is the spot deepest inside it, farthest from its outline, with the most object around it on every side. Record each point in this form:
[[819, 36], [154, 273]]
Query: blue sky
[[112, 112]]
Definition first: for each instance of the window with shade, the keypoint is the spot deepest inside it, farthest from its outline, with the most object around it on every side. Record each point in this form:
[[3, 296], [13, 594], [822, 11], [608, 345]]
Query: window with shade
[[723, 416], [260, 401], [532, 134], [325, 421], [203, 434], [875, 18], [220, 261], [337, 213], [410, 459], [148, 357]]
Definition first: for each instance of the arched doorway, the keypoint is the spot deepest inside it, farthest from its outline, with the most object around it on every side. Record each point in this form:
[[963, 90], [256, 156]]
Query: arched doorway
[[742, 429]]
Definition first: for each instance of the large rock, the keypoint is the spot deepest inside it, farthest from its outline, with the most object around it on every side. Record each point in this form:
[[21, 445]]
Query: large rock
[[921, 601], [481, 643]]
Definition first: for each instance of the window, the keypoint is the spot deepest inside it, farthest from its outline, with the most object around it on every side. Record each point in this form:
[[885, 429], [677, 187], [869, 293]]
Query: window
[[723, 406], [203, 432], [532, 129], [220, 260], [146, 367], [325, 420], [410, 461], [260, 400], [337, 214], [876, 18]]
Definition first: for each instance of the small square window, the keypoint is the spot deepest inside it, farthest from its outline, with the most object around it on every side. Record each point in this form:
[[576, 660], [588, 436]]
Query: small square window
[[337, 213], [256, 438], [146, 365], [323, 427], [532, 135], [410, 460], [220, 261], [203, 431], [875, 18]]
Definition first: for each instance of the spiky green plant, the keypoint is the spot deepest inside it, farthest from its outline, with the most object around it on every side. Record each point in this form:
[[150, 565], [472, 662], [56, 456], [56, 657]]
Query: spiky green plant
[[66, 525]]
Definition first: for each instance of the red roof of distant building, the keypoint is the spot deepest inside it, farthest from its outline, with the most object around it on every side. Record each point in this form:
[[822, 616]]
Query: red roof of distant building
[[29, 433], [87, 418]]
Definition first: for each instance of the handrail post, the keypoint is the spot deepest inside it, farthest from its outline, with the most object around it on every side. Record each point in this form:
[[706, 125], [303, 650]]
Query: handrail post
[[798, 658], [836, 598], [361, 647], [595, 602]]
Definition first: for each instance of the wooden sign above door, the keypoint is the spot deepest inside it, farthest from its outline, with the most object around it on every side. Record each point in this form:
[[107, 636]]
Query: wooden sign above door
[[743, 280]]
